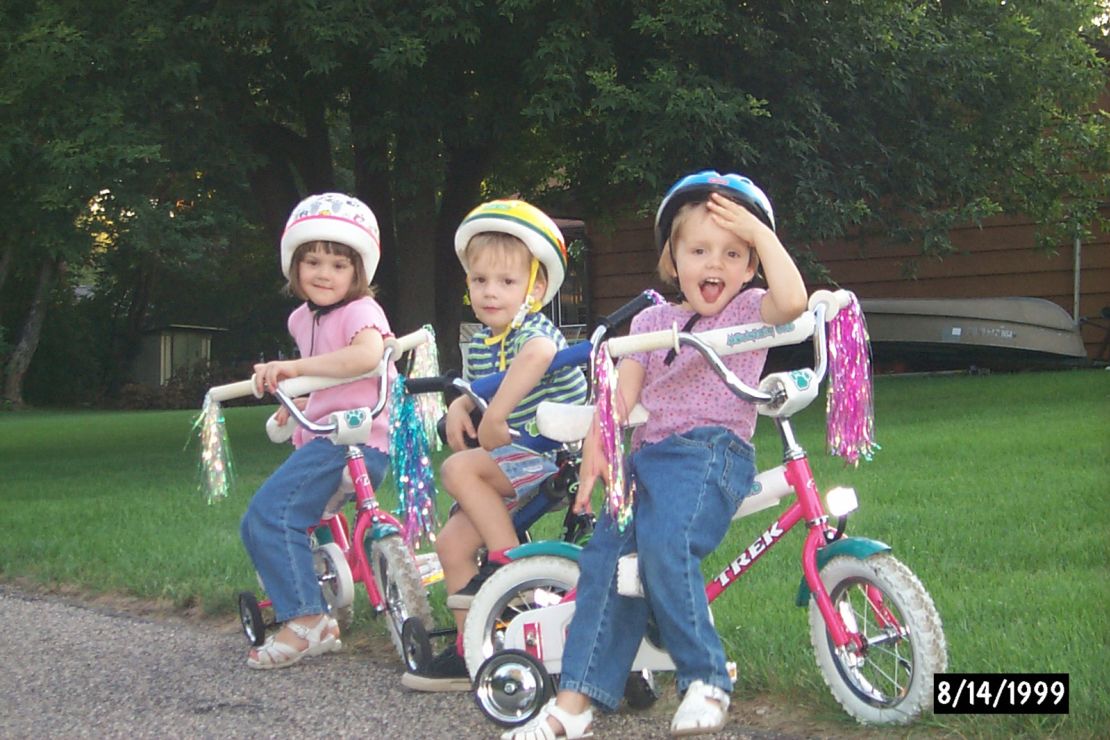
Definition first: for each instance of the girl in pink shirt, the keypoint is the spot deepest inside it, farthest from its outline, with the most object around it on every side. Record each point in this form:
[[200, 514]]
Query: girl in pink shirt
[[329, 252]]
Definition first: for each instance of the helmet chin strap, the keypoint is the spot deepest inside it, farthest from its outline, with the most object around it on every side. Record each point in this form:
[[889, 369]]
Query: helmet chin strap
[[530, 305]]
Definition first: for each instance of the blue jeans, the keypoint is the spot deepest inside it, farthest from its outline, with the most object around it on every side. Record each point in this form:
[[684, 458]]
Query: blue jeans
[[275, 526], [687, 489]]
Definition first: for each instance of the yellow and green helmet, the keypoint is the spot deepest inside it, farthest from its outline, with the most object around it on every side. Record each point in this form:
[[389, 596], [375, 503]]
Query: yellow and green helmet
[[527, 223]]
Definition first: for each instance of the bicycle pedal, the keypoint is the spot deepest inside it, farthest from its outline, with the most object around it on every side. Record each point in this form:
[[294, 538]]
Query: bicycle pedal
[[628, 576]]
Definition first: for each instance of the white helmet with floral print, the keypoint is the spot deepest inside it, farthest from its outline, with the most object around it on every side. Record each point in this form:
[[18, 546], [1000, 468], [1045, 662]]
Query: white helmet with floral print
[[333, 217]]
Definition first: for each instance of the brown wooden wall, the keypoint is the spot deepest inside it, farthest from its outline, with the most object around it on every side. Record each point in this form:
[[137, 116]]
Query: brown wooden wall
[[998, 260]]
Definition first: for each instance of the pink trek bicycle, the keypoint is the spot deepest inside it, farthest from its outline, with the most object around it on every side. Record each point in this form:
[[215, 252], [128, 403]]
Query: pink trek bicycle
[[375, 554], [875, 632]]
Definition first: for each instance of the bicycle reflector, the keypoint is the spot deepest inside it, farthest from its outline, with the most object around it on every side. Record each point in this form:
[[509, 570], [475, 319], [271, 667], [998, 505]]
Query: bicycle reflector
[[841, 501]]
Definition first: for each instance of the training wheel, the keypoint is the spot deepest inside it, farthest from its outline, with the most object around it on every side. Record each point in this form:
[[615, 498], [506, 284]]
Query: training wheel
[[334, 575], [250, 616], [511, 687], [417, 647], [639, 689]]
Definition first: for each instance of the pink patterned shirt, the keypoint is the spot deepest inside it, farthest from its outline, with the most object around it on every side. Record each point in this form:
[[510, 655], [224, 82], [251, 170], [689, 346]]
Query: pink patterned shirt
[[687, 393], [319, 333]]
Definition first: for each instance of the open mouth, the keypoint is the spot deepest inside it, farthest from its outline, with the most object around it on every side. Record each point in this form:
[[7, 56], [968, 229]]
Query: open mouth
[[711, 289]]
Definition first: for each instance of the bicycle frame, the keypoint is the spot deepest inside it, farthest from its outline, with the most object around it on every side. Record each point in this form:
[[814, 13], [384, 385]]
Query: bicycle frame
[[368, 515], [875, 632], [798, 479], [807, 507]]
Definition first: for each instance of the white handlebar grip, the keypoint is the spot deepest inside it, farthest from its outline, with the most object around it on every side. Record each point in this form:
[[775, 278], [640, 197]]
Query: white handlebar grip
[[280, 433], [833, 301], [646, 342], [305, 384], [408, 342], [242, 389]]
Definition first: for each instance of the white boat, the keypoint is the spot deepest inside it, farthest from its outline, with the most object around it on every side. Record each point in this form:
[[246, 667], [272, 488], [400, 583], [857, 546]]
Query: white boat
[[956, 333]]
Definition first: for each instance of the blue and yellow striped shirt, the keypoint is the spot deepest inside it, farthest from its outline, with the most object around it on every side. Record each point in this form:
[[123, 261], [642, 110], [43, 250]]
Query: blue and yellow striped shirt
[[566, 385]]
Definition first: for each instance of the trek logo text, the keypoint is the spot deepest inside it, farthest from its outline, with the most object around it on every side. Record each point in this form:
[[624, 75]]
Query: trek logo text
[[747, 558]]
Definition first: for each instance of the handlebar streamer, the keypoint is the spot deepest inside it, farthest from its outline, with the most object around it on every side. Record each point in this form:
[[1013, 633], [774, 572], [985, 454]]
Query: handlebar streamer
[[850, 411], [618, 496], [214, 469]]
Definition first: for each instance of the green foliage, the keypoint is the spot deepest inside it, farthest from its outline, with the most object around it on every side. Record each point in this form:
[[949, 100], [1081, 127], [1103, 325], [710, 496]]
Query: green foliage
[[194, 130]]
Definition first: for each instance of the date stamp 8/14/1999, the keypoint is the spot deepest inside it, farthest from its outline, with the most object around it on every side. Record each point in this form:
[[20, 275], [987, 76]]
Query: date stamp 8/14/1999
[[1000, 693]]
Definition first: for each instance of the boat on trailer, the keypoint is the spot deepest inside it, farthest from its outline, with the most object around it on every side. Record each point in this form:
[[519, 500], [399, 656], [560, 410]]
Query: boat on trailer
[[929, 334]]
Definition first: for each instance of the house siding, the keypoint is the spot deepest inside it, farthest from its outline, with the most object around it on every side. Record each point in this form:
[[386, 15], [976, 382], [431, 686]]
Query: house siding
[[998, 259]]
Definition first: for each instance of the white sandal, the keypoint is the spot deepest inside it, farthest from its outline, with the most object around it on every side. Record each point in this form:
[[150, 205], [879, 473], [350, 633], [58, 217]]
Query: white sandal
[[333, 631], [703, 710], [574, 725], [274, 654]]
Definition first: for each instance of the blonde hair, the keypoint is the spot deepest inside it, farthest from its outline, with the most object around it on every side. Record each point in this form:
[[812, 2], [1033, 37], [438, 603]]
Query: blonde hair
[[506, 246], [359, 287], [665, 267]]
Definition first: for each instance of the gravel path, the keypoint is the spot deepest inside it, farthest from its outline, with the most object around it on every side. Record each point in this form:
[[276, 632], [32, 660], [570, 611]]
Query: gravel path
[[74, 670]]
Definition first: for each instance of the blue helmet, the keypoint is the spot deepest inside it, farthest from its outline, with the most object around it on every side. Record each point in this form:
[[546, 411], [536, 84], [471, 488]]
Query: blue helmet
[[698, 186]]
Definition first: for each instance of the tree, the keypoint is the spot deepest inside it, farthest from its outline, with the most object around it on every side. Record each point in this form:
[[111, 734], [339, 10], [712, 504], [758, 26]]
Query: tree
[[902, 117], [204, 123], [110, 170], [53, 150]]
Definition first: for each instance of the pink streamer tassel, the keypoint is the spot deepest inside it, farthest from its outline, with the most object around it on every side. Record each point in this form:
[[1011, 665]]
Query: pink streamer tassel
[[618, 499], [850, 410]]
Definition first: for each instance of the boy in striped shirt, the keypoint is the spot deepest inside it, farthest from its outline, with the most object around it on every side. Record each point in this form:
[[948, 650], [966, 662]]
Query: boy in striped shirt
[[515, 260]]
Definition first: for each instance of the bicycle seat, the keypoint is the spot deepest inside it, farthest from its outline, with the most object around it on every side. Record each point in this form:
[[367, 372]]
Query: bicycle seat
[[568, 422]]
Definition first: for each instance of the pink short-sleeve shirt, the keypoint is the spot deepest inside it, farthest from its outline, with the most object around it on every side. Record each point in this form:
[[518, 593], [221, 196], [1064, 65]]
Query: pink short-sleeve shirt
[[318, 333], [687, 393]]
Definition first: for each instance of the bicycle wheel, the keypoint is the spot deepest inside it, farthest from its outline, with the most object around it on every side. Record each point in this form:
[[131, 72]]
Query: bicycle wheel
[[511, 687], [398, 582], [250, 617], [890, 681], [516, 588]]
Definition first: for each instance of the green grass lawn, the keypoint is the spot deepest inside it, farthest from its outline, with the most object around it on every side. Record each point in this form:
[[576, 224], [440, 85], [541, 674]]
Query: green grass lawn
[[993, 490]]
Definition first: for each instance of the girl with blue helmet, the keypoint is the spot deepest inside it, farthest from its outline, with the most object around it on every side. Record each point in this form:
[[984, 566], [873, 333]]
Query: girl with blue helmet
[[691, 464]]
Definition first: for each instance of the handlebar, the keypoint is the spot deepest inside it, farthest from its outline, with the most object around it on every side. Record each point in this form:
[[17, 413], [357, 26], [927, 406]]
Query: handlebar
[[581, 353], [715, 343], [627, 311], [305, 384]]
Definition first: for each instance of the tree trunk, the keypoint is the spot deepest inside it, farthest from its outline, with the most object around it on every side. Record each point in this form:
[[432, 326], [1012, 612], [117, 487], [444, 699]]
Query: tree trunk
[[5, 267], [461, 191], [24, 350], [371, 170]]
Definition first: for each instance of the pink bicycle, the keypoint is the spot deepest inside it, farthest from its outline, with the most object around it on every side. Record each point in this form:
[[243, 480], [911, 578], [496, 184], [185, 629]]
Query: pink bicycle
[[875, 632], [375, 554]]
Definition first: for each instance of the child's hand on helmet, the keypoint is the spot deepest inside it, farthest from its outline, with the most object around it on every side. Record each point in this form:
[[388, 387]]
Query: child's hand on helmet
[[736, 218], [493, 432]]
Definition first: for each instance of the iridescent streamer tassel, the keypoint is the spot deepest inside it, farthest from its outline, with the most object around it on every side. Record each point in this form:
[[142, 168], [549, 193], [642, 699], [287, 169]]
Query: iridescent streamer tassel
[[850, 409], [215, 470], [429, 406], [618, 499], [411, 464]]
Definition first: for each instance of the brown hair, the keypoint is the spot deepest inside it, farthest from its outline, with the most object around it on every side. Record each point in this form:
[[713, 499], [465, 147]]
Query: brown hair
[[359, 287]]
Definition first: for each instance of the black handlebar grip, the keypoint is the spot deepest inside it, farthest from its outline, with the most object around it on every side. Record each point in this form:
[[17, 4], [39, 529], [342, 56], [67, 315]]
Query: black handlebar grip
[[430, 384], [628, 310]]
